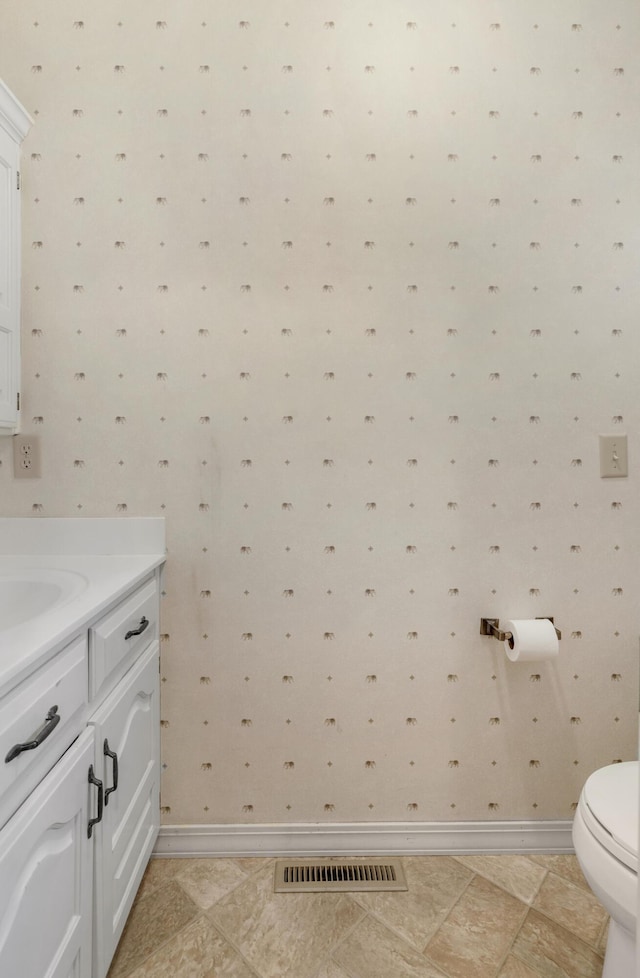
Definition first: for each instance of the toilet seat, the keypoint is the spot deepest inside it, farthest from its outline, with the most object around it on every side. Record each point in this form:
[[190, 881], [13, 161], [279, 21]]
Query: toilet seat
[[609, 807]]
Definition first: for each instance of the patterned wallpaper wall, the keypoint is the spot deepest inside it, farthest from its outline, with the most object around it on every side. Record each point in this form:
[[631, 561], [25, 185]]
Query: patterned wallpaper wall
[[347, 291]]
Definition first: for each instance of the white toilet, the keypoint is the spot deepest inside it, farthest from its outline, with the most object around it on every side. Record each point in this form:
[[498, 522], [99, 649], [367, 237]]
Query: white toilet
[[605, 837]]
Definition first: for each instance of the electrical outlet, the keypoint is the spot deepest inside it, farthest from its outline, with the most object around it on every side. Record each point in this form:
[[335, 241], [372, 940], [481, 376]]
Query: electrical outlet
[[26, 457]]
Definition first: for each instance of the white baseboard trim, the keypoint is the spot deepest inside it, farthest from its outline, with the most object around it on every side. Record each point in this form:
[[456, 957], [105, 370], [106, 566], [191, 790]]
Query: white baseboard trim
[[366, 839]]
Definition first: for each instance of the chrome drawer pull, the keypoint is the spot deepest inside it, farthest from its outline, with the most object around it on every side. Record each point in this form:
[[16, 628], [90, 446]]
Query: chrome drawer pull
[[144, 623], [51, 722], [114, 757]]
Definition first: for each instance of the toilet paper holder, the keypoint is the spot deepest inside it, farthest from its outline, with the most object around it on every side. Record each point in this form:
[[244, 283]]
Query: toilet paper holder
[[491, 626]]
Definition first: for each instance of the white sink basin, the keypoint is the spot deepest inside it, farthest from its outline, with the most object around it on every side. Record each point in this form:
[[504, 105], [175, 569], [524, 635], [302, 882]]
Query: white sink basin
[[27, 593]]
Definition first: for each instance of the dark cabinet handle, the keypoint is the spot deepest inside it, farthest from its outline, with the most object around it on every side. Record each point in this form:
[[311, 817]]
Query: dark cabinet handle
[[51, 722], [114, 757], [144, 623], [98, 784]]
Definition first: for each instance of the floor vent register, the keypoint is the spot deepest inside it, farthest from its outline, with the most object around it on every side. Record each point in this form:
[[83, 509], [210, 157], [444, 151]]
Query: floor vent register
[[338, 875]]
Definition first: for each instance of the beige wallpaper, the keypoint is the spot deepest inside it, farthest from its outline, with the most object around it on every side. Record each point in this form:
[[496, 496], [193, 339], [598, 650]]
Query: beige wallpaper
[[347, 291]]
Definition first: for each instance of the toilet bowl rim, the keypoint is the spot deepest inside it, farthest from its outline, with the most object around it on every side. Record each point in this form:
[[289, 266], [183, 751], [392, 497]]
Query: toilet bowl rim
[[604, 838], [614, 884]]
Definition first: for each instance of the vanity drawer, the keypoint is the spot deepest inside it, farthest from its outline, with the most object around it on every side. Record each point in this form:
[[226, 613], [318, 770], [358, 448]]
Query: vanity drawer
[[121, 636], [28, 715]]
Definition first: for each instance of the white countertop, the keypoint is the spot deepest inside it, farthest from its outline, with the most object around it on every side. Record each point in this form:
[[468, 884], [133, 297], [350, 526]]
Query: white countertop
[[104, 577]]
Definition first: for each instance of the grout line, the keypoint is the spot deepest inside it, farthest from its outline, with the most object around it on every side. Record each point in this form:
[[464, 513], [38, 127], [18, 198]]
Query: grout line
[[526, 963], [424, 953], [226, 893], [599, 949], [526, 908], [458, 899], [523, 904], [501, 886], [542, 881], [232, 944], [157, 947], [576, 937], [343, 939], [420, 949], [544, 913], [140, 900]]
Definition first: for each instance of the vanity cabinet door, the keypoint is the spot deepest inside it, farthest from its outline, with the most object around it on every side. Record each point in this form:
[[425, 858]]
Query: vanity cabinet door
[[127, 730], [46, 870]]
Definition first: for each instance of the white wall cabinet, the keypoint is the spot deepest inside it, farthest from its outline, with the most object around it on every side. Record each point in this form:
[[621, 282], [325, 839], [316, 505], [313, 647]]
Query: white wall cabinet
[[14, 125], [73, 848]]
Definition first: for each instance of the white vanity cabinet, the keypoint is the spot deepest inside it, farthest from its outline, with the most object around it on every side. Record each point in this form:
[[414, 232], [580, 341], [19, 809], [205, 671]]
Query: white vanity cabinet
[[127, 739], [46, 869], [14, 125], [75, 845]]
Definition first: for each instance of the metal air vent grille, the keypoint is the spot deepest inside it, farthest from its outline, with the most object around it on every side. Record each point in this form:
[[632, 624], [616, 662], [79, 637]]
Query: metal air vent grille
[[336, 875]]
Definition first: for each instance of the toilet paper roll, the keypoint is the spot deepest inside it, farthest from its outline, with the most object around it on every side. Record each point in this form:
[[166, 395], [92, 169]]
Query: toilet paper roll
[[533, 640]]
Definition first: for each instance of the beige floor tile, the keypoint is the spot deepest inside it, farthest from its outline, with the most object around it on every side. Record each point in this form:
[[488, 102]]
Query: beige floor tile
[[573, 907], [331, 970], [198, 951], [477, 934], [514, 968], [283, 933], [372, 951], [208, 880], [519, 875], [153, 921], [553, 952], [219, 918], [158, 873], [434, 884], [251, 863], [567, 866], [601, 946]]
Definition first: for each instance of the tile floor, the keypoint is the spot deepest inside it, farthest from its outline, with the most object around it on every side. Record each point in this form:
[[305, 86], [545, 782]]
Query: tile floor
[[463, 917]]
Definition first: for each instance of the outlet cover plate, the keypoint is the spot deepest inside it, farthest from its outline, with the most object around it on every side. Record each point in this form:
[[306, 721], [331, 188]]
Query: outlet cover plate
[[26, 457]]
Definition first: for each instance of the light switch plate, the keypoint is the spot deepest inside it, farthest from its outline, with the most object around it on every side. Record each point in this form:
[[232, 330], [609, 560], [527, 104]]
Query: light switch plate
[[613, 456]]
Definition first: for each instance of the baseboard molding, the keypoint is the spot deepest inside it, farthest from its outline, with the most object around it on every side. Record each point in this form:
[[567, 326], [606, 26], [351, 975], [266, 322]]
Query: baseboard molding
[[394, 838]]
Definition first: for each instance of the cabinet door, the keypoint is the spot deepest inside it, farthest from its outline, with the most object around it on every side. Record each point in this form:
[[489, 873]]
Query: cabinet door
[[127, 725], [9, 281], [46, 871]]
